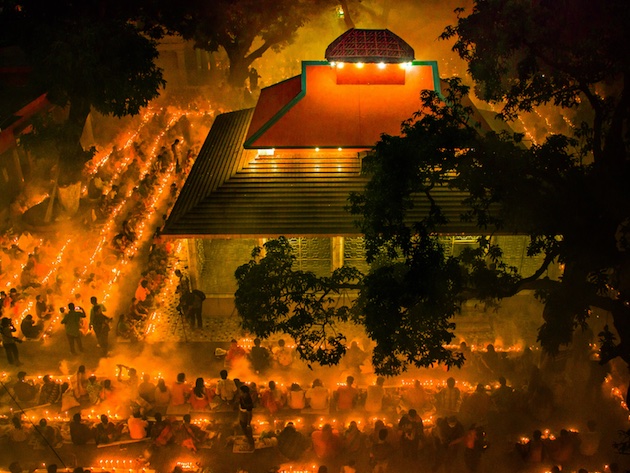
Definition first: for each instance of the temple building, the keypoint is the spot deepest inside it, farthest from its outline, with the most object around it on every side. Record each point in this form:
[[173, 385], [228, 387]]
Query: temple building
[[287, 166]]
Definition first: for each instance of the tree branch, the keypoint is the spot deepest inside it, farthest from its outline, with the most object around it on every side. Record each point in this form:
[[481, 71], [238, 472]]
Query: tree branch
[[597, 121]]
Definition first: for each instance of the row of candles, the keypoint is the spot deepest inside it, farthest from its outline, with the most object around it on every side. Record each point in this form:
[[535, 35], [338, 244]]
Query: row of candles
[[106, 232]]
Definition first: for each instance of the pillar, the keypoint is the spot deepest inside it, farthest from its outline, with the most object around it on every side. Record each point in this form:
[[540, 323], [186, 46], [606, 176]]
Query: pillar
[[193, 267], [337, 252]]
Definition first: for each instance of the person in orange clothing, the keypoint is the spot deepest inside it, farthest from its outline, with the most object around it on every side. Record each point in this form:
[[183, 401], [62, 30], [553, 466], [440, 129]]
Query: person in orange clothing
[[273, 398], [199, 398], [142, 292], [347, 395], [326, 442], [234, 353], [180, 390]]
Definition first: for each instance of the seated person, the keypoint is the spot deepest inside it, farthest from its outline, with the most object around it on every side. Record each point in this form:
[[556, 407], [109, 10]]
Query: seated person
[[375, 395], [291, 443], [296, 398], [259, 357], [146, 389], [234, 354], [80, 433], [120, 243], [318, 396], [50, 392], [189, 435], [226, 388], [46, 435], [199, 398], [42, 308], [25, 391], [94, 390], [137, 311], [30, 329], [534, 451], [283, 355], [126, 329], [128, 230], [106, 432], [326, 442], [137, 426], [143, 293], [273, 399]]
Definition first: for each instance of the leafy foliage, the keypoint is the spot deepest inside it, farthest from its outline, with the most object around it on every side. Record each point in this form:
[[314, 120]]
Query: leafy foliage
[[85, 54], [569, 194], [245, 29], [272, 297]]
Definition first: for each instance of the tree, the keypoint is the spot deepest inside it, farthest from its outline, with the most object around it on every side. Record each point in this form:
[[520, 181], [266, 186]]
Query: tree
[[272, 297], [85, 55], [245, 29], [568, 193], [566, 54]]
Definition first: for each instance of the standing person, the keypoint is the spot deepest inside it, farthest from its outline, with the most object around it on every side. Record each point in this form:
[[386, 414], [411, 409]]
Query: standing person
[[195, 308], [99, 322], [72, 321], [176, 156], [452, 430], [10, 342], [183, 288], [253, 79], [412, 434], [474, 446], [246, 405], [79, 383], [381, 453]]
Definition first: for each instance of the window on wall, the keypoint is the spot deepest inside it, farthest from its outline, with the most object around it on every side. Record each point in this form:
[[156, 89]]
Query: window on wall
[[312, 254], [354, 253], [454, 245]]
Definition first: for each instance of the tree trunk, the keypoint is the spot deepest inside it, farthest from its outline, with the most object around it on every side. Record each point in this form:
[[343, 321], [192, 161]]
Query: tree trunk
[[239, 67], [347, 17], [72, 156]]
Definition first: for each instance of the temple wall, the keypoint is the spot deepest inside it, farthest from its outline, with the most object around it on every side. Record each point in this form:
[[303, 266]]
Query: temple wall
[[515, 320]]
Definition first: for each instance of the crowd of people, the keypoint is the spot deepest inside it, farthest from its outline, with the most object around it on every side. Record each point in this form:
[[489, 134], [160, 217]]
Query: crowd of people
[[375, 426], [45, 274], [361, 422]]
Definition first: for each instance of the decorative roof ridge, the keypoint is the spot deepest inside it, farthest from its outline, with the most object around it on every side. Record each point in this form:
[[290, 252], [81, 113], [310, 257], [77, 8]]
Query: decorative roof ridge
[[369, 45]]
